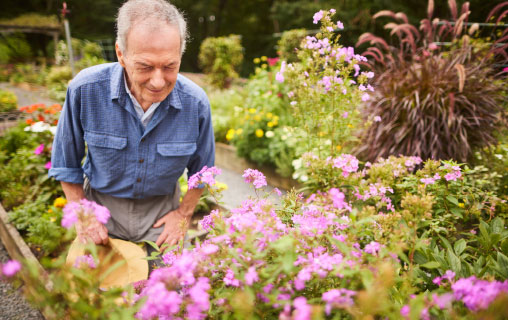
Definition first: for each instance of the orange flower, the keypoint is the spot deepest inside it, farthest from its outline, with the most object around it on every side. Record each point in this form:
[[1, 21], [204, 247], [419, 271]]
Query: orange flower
[[29, 121], [41, 118], [23, 108]]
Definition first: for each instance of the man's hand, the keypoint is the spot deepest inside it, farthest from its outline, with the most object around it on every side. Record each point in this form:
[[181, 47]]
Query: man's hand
[[175, 224], [94, 231]]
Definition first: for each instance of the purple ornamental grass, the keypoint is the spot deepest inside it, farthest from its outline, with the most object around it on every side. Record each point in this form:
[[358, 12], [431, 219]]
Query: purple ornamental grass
[[10, 268]]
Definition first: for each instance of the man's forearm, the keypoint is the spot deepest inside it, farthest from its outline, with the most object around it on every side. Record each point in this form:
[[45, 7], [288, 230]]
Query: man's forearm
[[73, 191], [190, 200]]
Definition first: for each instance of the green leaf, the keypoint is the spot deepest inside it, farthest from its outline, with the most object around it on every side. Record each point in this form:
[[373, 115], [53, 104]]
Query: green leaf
[[497, 225], [431, 265], [445, 242], [453, 200], [502, 262], [457, 212], [459, 246], [454, 261]]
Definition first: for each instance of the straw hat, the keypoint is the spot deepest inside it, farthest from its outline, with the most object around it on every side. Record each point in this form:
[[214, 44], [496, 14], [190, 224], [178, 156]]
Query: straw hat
[[134, 269]]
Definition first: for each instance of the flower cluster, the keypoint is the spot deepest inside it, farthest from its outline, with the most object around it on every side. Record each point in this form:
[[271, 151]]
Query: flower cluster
[[84, 211], [85, 261], [255, 177], [204, 176]]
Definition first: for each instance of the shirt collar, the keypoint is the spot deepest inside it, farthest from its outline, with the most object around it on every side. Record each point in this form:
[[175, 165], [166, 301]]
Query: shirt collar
[[117, 84]]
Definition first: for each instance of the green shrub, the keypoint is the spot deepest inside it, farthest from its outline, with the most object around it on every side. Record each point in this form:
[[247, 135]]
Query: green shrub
[[8, 101], [58, 75], [14, 48], [226, 107], [432, 102], [92, 49], [289, 43], [220, 59]]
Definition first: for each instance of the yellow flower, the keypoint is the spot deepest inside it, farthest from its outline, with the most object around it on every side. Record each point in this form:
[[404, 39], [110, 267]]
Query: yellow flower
[[321, 133], [259, 133], [264, 65], [269, 115], [221, 186], [60, 202], [256, 60], [270, 124], [461, 205], [338, 147], [230, 135], [349, 125], [50, 210], [252, 110], [257, 117], [52, 219], [239, 131], [264, 58], [275, 118]]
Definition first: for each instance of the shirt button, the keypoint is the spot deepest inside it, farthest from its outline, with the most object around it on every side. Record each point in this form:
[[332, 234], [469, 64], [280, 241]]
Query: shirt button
[[141, 160], [138, 180]]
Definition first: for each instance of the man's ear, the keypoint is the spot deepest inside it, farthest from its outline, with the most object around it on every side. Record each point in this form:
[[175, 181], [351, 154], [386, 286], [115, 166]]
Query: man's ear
[[119, 55]]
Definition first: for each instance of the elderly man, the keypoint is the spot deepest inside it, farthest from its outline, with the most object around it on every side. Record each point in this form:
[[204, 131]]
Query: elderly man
[[143, 124]]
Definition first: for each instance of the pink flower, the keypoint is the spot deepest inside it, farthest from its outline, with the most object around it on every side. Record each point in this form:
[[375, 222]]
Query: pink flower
[[204, 176], [280, 75], [377, 119], [432, 46], [365, 97], [272, 61], [345, 115], [505, 69], [10, 268], [404, 311], [255, 177], [48, 165], [85, 260], [302, 309], [84, 211], [277, 191], [340, 25], [372, 248], [317, 16], [338, 298], [39, 149], [251, 276]]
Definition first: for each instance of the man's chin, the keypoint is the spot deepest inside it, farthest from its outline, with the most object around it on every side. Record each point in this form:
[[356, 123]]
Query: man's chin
[[156, 97]]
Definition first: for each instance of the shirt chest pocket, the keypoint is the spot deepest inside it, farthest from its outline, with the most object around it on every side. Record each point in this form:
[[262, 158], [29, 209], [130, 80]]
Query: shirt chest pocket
[[173, 157], [105, 152]]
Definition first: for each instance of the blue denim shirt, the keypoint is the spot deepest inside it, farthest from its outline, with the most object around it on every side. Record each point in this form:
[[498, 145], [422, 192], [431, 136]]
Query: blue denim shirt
[[123, 159]]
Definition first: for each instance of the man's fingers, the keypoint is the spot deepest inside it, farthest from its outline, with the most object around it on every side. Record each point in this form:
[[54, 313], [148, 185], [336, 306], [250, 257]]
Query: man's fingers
[[159, 223], [161, 239]]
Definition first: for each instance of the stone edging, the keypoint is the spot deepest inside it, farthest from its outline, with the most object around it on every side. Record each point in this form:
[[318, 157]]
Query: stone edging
[[226, 157]]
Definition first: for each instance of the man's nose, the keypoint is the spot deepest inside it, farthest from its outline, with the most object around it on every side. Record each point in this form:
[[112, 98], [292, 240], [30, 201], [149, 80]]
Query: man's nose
[[157, 80]]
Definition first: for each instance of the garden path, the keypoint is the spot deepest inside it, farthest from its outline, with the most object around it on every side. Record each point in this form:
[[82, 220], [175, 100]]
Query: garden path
[[12, 303]]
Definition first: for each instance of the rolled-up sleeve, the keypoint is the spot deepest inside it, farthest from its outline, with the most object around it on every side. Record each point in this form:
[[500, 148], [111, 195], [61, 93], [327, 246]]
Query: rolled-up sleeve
[[68, 146], [205, 151]]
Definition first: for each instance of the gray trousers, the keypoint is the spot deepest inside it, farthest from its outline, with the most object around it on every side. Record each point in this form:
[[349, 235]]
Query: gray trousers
[[133, 219]]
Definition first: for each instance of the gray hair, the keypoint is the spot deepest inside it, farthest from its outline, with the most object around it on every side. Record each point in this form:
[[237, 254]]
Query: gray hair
[[151, 12]]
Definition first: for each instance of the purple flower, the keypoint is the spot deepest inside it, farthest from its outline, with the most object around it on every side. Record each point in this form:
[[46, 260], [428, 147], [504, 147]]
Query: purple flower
[[229, 279], [477, 294], [302, 309], [251, 276], [338, 199], [340, 25], [10, 268], [443, 301], [200, 300], [428, 181], [372, 248], [85, 260], [209, 249], [39, 149], [376, 118], [70, 214], [404, 311], [317, 16], [204, 176], [48, 165], [255, 177], [280, 75], [160, 302], [338, 298], [207, 221], [277, 191]]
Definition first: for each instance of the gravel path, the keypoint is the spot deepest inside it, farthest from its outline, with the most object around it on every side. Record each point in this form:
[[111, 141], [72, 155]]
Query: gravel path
[[13, 305]]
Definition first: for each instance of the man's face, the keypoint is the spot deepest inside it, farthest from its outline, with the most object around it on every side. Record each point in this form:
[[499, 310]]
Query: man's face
[[151, 61]]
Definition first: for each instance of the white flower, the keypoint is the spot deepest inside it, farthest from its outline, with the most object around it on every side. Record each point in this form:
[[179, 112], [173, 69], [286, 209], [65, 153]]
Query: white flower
[[269, 134]]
